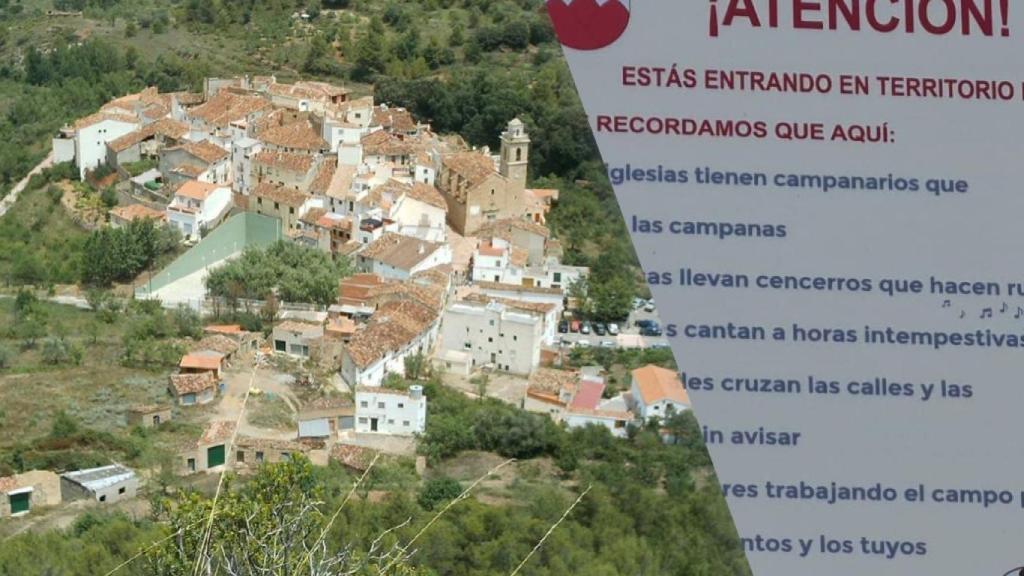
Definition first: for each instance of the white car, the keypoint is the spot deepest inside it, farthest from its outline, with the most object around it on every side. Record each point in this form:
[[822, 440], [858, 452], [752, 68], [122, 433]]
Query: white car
[[649, 307], [613, 329], [607, 344], [583, 343]]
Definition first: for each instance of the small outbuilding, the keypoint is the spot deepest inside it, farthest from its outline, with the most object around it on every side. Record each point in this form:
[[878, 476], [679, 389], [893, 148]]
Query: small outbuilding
[[149, 415], [22, 493], [107, 484]]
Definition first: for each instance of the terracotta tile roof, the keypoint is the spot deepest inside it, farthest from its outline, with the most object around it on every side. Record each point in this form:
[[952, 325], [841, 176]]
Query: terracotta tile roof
[[217, 343], [217, 433], [358, 289], [402, 252], [196, 190], [341, 326], [324, 176], [413, 315], [438, 276], [224, 329], [383, 143], [93, 119], [491, 250], [301, 163], [395, 325], [166, 127], [474, 167], [499, 287], [205, 360], [191, 170], [304, 328], [354, 457], [536, 307], [335, 222], [427, 194], [551, 382], [588, 396], [148, 408], [519, 257], [307, 90], [192, 383], [313, 216], [386, 194], [377, 339], [656, 384], [430, 295], [503, 228], [134, 212], [280, 194], [227, 107], [206, 151], [395, 119], [299, 135], [327, 403], [276, 444]]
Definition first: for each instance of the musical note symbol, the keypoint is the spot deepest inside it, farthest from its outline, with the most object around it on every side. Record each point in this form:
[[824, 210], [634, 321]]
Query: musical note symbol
[[1004, 308], [986, 313], [947, 303], [1020, 313]]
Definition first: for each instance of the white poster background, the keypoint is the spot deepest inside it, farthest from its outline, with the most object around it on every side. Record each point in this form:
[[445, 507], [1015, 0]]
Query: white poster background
[[901, 443]]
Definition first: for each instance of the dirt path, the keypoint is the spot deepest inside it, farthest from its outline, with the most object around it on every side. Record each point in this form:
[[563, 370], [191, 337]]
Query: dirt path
[[12, 196]]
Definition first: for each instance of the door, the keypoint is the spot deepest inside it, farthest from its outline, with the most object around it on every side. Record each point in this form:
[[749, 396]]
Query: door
[[20, 502], [215, 456], [156, 420], [373, 424]]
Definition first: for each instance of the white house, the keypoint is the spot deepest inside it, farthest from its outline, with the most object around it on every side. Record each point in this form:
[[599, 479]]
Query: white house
[[497, 335], [549, 312], [384, 411], [197, 207], [242, 153], [399, 257], [589, 408], [92, 134], [553, 296], [499, 260], [296, 338], [399, 329], [658, 392], [421, 212]]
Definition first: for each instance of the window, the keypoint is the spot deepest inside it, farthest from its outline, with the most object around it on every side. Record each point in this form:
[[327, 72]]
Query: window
[[380, 405], [286, 456], [401, 405], [121, 490], [515, 338], [391, 421], [240, 457], [363, 420], [364, 404], [558, 277], [291, 210], [280, 345], [492, 324], [103, 498], [259, 201], [490, 339], [277, 206], [405, 423], [191, 464]]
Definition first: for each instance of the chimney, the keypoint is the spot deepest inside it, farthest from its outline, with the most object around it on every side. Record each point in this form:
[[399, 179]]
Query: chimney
[[416, 392]]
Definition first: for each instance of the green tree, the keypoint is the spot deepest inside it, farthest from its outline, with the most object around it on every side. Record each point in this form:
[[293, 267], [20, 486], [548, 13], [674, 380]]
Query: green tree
[[371, 54], [438, 491], [276, 520]]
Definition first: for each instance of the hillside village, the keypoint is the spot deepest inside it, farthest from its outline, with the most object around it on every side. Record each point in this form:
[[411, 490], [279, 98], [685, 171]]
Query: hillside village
[[454, 272]]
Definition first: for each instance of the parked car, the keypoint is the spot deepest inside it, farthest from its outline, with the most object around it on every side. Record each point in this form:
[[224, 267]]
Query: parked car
[[613, 329], [574, 327], [600, 329], [583, 343], [659, 346], [585, 328], [607, 344], [641, 324], [638, 303], [651, 330], [649, 306], [563, 327]]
